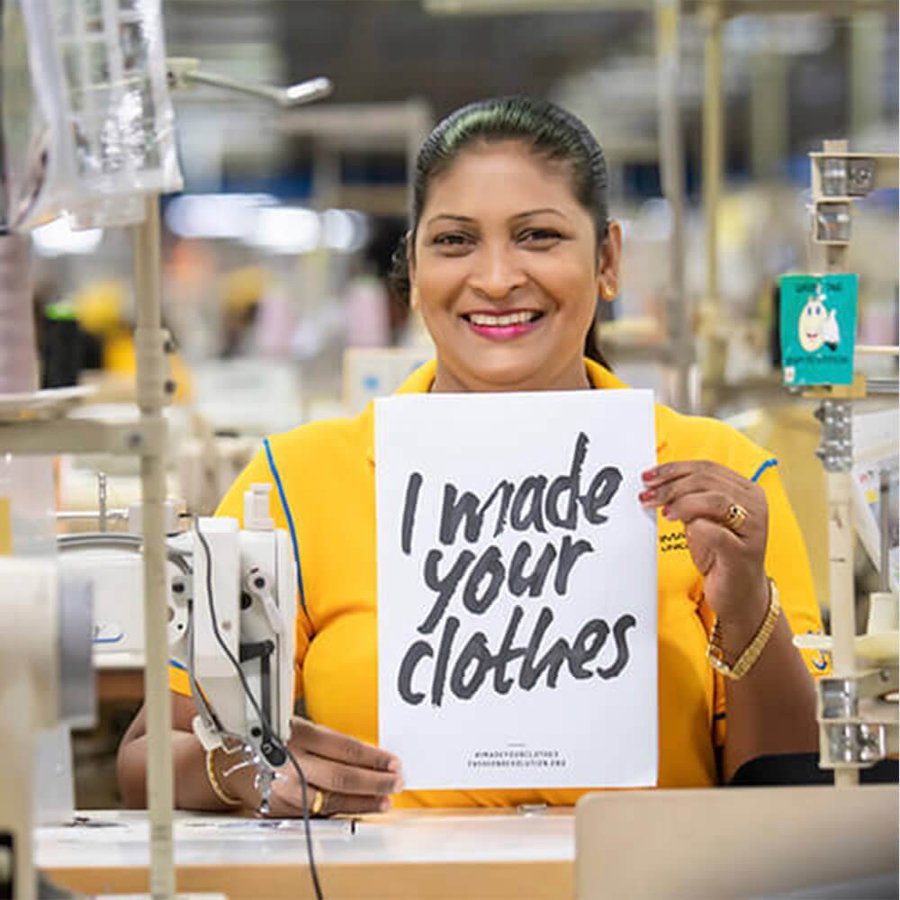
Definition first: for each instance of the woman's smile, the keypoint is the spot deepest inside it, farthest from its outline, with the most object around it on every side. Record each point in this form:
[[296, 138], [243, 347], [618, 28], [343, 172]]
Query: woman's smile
[[503, 326]]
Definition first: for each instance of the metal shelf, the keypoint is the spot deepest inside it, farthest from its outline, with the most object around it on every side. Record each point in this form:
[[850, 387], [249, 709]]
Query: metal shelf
[[68, 435]]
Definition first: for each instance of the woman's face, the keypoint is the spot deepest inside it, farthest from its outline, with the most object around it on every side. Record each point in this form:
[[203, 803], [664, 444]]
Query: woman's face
[[506, 271]]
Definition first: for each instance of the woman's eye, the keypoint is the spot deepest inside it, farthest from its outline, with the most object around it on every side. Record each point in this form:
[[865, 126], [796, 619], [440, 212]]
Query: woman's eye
[[452, 240], [540, 236]]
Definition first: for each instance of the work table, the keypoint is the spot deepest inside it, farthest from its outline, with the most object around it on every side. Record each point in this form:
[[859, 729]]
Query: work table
[[404, 854]]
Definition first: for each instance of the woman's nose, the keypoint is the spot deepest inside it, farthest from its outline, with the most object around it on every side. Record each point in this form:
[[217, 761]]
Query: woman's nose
[[496, 272]]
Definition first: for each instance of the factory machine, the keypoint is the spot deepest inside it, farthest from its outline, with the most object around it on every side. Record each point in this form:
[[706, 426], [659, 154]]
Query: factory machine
[[231, 602], [794, 834], [218, 600]]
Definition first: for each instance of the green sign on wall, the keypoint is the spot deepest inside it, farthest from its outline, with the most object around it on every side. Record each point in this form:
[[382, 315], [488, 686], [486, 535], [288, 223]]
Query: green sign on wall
[[818, 328]]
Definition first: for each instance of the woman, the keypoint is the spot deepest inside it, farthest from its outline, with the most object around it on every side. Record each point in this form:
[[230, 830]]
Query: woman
[[509, 248]]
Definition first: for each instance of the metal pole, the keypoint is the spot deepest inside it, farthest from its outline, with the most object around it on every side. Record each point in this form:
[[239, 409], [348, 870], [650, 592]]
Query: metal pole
[[840, 562], [713, 128], [769, 112], [150, 346], [837, 430], [672, 177], [868, 33]]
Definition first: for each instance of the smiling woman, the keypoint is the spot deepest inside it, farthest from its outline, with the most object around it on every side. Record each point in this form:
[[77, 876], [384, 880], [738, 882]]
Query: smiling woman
[[507, 280], [510, 249], [511, 246]]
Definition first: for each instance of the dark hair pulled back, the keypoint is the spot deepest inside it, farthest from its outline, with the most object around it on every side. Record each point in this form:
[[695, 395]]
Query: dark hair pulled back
[[548, 130]]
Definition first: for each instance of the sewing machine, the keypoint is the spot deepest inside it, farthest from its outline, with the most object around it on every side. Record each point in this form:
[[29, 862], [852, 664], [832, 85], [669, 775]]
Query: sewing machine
[[241, 678], [232, 605], [244, 585], [218, 577]]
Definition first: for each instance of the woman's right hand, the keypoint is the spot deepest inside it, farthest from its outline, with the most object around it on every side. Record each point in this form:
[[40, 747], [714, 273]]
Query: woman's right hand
[[352, 776]]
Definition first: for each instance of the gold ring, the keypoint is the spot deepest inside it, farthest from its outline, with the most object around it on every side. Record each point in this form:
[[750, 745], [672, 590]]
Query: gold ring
[[318, 803], [735, 517]]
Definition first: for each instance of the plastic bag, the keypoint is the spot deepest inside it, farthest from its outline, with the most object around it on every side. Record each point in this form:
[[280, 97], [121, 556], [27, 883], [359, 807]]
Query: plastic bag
[[101, 132]]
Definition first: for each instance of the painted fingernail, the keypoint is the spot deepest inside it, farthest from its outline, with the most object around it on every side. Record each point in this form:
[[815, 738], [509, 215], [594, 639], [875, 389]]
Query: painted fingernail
[[647, 496], [650, 474], [667, 513]]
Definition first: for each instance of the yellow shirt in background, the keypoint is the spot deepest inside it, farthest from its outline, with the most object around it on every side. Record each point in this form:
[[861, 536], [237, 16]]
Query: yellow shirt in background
[[326, 471]]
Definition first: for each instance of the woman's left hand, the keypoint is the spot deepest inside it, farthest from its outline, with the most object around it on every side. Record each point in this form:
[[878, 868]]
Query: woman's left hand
[[730, 554]]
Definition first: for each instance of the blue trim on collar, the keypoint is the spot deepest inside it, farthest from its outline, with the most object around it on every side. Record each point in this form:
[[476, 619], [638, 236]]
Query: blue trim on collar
[[768, 464], [290, 520]]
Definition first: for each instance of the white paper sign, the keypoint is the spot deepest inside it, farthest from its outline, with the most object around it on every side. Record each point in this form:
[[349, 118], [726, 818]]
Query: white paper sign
[[517, 589]]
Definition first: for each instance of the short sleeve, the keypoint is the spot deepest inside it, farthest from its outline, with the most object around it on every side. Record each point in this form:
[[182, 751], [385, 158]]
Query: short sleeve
[[178, 679]]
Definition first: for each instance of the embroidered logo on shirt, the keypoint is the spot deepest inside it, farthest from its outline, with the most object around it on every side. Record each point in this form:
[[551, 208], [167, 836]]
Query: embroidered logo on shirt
[[817, 658], [674, 540]]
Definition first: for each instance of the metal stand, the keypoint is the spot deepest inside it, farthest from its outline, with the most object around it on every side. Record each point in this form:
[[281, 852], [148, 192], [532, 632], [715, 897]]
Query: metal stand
[[671, 162], [837, 457], [715, 345], [147, 438], [151, 343], [856, 728]]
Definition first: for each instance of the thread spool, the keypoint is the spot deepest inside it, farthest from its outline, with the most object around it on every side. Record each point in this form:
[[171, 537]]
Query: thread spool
[[18, 345]]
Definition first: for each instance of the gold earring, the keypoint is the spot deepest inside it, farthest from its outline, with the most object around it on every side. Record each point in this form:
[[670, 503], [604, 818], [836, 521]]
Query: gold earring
[[608, 292]]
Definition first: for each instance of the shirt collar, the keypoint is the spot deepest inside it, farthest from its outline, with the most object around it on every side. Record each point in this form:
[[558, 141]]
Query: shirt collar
[[421, 380]]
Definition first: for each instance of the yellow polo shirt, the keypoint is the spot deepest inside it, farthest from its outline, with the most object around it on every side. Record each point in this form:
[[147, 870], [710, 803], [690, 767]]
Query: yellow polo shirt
[[326, 479]]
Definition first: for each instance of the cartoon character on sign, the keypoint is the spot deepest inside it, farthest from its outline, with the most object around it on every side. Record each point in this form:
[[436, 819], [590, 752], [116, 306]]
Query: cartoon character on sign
[[818, 326]]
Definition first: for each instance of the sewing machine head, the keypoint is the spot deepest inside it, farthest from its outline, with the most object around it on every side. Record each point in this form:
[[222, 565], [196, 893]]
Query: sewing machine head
[[231, 611], [237, 609]]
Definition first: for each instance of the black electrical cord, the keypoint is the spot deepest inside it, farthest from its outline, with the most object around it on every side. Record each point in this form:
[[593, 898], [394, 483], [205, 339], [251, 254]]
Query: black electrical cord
[[304, 787]]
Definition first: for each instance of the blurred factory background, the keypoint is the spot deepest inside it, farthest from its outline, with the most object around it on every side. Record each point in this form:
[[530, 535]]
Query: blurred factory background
[[276, 253], [252, 271]]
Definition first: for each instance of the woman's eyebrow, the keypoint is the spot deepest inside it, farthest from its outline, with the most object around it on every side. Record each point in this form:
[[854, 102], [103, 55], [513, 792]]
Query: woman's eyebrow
[[540, 211], [453, 218], [468, 220]]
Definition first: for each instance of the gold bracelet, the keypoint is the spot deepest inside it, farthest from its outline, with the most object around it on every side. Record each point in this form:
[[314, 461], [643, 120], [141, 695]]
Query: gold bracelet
[[216, 785], [748, 658]]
